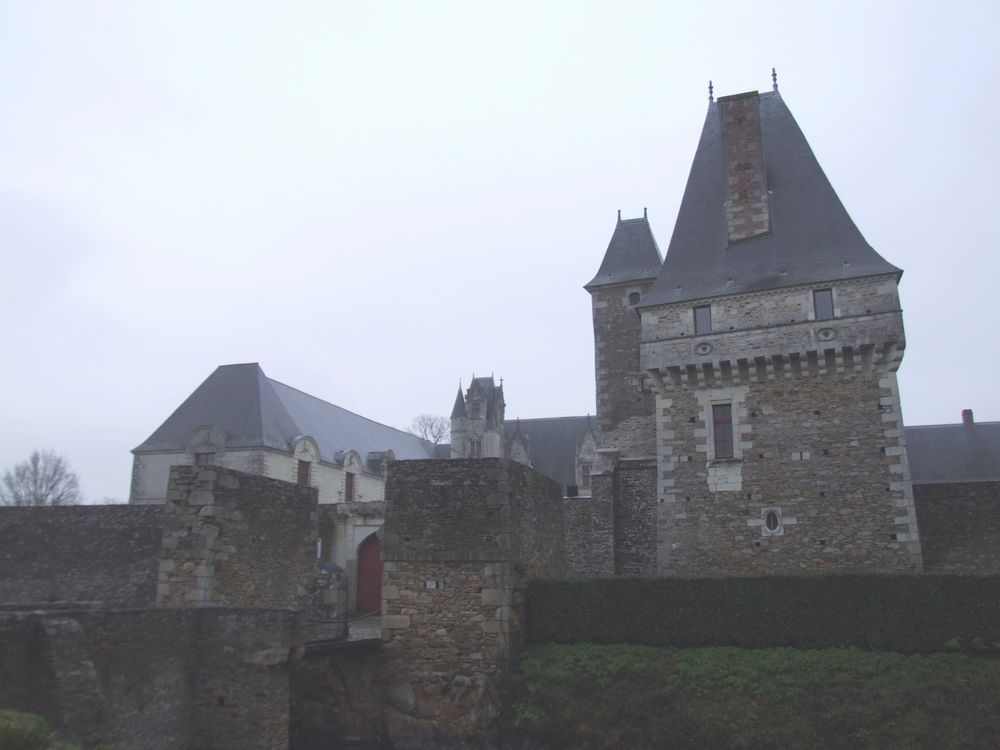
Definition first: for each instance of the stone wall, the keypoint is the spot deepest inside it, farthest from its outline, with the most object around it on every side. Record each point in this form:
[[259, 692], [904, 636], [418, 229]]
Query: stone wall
[[959, 526], [588, 531], [635, 517], [821, 453], [106, 555], [237, 539], [460, 539], [206, 679], [624, 407]]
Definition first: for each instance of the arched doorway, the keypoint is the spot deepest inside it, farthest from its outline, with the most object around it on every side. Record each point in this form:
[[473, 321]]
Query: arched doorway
[[370, 575]]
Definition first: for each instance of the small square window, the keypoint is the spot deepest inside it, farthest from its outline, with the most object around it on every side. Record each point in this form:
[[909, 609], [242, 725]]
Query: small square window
[[703, 319], [633, 298], [823, 303], [204, 459]]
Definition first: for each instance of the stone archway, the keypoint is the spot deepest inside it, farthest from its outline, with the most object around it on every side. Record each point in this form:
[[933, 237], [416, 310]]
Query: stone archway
[[370, 575]]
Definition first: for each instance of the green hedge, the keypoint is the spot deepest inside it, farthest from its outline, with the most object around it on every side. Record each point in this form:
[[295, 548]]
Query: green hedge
[[591, 697], [908, 613]]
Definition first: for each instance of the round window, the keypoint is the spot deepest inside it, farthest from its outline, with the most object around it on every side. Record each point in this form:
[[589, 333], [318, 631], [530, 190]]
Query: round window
[[771, 521]]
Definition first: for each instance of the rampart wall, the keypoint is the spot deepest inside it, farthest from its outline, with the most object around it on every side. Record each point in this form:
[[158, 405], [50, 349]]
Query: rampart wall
[[153, 678], [959, 526], [461, 539], [104, 555]]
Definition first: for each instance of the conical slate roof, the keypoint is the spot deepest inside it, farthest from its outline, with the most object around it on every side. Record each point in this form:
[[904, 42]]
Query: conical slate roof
[[459, 409], [254, 411], [812, 239], [632, 254]]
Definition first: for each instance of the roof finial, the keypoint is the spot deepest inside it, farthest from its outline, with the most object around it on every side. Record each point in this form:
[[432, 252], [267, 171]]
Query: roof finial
[[619, 216], [711, 95], [774, 80], [645, 213]]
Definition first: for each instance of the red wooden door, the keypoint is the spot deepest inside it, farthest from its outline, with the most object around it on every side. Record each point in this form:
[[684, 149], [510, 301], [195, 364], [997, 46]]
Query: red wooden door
[[370, 575]]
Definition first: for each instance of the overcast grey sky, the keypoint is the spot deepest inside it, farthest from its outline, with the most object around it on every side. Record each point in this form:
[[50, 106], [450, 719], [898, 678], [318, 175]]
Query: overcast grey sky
[[373, 199]]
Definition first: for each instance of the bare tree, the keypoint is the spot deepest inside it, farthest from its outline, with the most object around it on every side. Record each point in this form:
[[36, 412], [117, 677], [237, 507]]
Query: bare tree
[[44, 479], [431, 427]]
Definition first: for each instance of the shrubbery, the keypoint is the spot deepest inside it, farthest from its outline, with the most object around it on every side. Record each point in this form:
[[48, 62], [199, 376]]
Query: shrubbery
[[591, 697], [21, 731], [908, 613]]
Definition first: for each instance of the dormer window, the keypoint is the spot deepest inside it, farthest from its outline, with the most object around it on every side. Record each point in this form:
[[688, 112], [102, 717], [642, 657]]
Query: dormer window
[[823, 303], [204, 459], [475, 448], [349, 487], [633, 298], [304, 473], [703, 319]]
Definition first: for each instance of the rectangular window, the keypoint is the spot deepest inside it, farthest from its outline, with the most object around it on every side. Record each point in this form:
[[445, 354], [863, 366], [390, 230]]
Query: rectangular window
[[703, 319], [475, 448], [823, 303], [304, 473], [722, 430], [204, 459], [585, 475], [349, 487]]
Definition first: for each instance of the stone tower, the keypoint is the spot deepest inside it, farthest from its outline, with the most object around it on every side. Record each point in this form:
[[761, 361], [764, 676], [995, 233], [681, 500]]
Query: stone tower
[[624, 407], [772, 337], [477, 421], [622, 484]]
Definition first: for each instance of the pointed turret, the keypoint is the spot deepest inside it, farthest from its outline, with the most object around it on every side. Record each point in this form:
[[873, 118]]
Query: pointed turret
[[629, 269], [459, 409], [632, 254]]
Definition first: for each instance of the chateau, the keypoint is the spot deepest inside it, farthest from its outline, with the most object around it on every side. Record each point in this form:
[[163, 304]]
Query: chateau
[[748, 423], [748, 416]]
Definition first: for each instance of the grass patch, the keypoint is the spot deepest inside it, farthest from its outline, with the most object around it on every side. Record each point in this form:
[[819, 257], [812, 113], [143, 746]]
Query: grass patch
[[614, 696]]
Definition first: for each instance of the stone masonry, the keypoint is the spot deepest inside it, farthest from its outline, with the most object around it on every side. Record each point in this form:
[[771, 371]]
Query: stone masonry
[[461, 538], [747, 204], [818, 479]]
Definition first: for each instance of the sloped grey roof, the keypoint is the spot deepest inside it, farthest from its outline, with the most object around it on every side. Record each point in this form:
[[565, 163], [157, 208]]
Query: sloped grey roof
[[458, 410], [254, 411], [552, 444], [632, 254], [812, 238], [954, 452]]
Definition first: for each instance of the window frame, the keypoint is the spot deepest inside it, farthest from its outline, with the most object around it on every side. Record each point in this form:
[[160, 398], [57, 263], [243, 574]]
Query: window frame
[[697, 328], [475, 448], [816, 304], [717, 434], [304, 473]]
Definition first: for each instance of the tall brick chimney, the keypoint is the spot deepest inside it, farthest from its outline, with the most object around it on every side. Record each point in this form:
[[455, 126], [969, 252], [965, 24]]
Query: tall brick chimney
[[748, 212], [967, 420]]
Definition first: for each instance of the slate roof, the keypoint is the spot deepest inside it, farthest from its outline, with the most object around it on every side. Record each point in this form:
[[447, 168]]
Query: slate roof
[[812, 238], [954, 452], [491, 392], [553, 444], [254, 411], [632, 254]]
